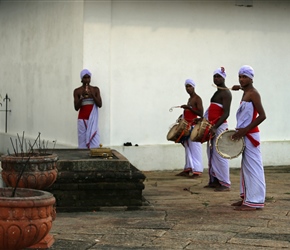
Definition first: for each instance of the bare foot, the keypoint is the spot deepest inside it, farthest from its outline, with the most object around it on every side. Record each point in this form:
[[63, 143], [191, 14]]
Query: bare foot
[[245, 208], [222, 189], [237, 204], [194, 176], [212, 185], [183, 173]]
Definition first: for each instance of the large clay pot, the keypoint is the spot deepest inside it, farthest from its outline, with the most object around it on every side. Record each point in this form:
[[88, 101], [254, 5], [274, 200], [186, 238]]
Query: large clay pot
[[26, 218], [40, 170]]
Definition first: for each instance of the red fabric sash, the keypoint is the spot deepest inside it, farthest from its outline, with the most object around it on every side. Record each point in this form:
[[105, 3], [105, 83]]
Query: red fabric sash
[[85, 111], [253, 140], [253, 130], [189, 116], [215, 112]]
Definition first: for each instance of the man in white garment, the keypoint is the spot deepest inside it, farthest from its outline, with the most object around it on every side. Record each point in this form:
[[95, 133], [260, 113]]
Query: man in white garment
[[249, 115], [87, 100], [217, 114], [193, 167]]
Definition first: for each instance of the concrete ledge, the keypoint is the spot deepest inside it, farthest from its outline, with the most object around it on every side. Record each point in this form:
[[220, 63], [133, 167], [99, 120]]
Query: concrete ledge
[[171, 156], [86, 183]]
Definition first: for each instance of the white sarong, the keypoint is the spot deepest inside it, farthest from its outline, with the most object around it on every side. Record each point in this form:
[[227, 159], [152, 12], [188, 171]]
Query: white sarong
[[88, 131], [252, 181], [218, 167], [193, 156]]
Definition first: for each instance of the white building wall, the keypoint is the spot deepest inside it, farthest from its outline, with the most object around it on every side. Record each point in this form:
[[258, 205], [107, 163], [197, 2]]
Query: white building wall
[[140, 53], [41, 54]]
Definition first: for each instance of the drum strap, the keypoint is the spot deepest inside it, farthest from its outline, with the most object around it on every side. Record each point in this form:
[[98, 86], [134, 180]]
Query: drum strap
[[207, 136], [206, 132], [182, 134], [215, 120]]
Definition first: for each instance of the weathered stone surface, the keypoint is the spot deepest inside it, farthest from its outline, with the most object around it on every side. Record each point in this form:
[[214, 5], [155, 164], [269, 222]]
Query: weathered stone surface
[[86, 183], [180, 219]]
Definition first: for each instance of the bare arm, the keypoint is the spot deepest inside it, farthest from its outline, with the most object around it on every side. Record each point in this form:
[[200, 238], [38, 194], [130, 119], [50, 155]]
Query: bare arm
[[195, 107], [199, 107], [226, 102], [97, 97], [77, 99], [255, 98], [236, 87]]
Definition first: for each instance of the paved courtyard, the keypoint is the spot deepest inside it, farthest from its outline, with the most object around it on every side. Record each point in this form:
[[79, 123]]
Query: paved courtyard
[[178, 213]]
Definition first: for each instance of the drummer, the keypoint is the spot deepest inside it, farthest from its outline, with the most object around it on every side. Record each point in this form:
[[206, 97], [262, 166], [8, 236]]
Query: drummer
[[193, 150], [217, 114], [249, 115]]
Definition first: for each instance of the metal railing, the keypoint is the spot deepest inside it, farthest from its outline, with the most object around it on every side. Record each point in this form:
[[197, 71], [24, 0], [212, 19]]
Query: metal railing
[[6, 110]]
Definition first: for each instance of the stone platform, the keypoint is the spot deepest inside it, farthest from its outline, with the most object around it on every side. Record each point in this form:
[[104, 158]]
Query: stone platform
[[183, 215], [86, 183]]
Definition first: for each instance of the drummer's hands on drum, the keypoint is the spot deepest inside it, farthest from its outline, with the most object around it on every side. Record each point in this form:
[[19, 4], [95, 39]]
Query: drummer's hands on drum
[[178, 119], [197, 120], [236, 87], [241, 132]]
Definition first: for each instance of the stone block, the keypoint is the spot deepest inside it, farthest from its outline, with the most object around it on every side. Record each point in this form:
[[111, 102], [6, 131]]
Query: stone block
[[86, 183]]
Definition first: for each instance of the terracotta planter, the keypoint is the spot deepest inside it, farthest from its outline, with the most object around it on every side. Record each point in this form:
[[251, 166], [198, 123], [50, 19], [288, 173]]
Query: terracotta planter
[[26, 218], [40, 170]]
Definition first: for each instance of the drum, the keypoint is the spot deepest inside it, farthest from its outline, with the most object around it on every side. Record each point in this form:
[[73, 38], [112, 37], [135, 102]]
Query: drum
[[179, 130], [227, 147], [201, 131]]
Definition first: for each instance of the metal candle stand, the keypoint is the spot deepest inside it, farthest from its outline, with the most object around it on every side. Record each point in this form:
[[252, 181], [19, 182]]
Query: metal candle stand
[[6, 99]]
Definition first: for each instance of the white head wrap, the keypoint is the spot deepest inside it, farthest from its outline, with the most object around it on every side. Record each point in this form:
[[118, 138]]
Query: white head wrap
[[190, 82], [221, 71], [85, 72], [247, 71]]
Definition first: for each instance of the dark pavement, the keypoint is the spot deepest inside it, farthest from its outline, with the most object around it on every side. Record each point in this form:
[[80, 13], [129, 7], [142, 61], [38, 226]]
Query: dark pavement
[[178, 213]]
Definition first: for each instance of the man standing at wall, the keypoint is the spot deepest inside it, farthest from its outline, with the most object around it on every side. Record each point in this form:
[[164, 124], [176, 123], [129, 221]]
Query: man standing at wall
[[87, 99], [249, 115], [193, 150], [216, 114]]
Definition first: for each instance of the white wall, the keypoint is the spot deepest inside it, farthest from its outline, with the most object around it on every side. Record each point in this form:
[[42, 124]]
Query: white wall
[[171, 156], [155, 46], [41, 53], [140, 53]]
